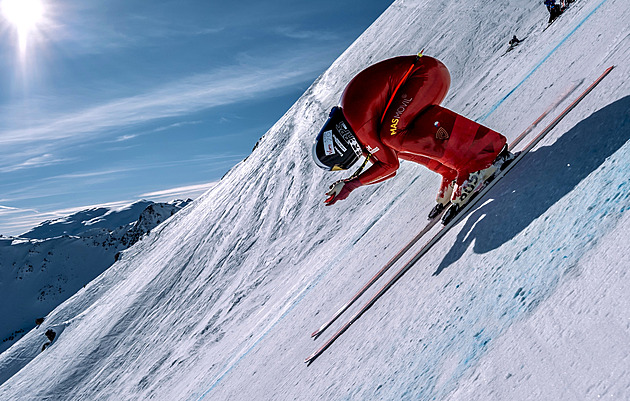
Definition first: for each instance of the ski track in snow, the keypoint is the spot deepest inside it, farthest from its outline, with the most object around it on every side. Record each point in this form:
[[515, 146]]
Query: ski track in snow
[[219, 302]]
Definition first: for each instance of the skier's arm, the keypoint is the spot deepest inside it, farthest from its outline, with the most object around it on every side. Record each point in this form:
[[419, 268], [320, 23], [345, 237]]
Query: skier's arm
[[383, 168], [385, 165]]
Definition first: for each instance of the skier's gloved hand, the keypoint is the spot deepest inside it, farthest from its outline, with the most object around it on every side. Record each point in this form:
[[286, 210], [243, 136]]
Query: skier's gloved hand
[[340, 190]]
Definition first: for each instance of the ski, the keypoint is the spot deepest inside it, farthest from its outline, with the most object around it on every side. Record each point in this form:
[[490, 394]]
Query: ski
[[478, 195], [432, 222]]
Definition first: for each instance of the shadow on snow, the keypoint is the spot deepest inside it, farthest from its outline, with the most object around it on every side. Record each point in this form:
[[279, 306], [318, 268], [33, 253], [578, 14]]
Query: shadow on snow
[[541, 179]]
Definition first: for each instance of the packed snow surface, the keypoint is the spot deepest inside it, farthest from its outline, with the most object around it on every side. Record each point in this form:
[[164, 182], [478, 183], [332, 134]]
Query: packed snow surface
[[527, 299]]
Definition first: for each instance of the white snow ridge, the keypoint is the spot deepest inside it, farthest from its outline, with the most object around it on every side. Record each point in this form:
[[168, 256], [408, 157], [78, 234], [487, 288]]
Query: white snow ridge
[[528, 298]]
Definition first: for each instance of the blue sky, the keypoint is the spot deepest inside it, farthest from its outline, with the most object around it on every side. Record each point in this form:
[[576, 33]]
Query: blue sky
[[110, 101]]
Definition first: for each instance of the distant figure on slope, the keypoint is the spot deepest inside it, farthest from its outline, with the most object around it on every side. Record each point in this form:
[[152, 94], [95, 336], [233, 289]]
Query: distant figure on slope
[[514, 41], [391, 111], [554, 9]]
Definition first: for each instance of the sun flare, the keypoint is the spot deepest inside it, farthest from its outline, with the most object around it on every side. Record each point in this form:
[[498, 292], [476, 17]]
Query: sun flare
[[24, 15]]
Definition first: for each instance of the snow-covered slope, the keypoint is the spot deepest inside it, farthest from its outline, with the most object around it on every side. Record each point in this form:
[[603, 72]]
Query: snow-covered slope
[[84, 220], [45, 266], [526, 299]]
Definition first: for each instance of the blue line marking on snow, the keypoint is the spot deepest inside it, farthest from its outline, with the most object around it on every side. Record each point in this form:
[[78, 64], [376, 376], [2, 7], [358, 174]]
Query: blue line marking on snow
[[496, 106]]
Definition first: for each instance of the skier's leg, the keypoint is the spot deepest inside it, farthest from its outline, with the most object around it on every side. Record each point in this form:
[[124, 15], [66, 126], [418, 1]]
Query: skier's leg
[[448, 180]]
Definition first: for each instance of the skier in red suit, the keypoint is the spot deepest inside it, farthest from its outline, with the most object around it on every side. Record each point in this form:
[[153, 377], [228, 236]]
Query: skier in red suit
[[391, 111]]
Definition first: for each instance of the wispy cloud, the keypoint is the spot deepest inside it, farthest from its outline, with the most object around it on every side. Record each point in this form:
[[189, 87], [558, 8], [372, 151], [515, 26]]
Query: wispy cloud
[[190, 191], [88, 174], [300, 34], [215, 159], [124, 138], [15, 221], [176, 125], [37, 161], [182, 97], [7, 208], [84, 29], [48, 135]]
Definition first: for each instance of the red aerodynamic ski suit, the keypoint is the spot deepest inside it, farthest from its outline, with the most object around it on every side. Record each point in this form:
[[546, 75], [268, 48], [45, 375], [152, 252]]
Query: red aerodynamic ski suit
[[393, 109]]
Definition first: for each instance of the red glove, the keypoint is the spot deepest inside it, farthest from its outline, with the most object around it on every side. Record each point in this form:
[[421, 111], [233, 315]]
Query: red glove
[[340, 190]]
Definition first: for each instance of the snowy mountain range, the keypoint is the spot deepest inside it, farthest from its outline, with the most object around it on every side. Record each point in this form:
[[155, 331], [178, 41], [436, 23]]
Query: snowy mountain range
[[527, 298], [46, 265]]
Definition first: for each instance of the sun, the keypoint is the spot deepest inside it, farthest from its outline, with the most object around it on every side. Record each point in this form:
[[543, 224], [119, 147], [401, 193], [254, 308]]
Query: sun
[[24, 15]]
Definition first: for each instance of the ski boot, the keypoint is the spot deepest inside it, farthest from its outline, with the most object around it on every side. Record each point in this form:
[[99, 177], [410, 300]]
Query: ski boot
[[443, 198], [504, 158], [468, 189]]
